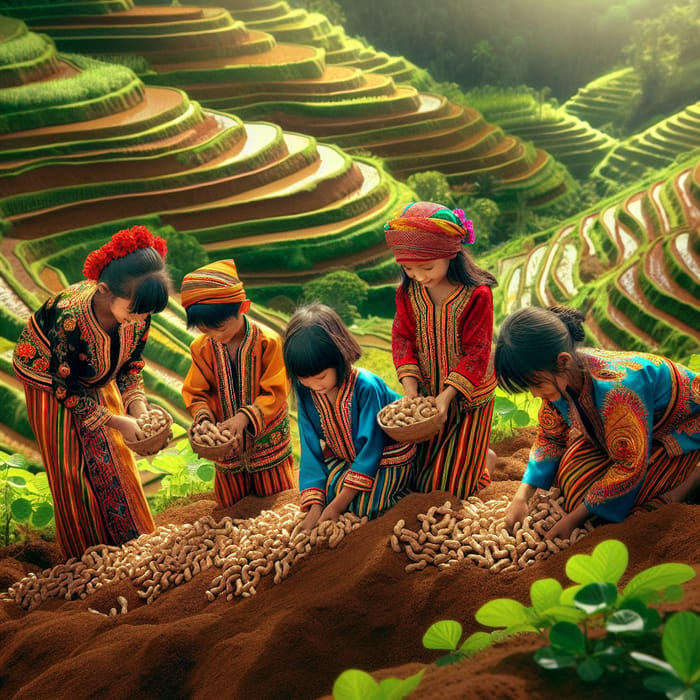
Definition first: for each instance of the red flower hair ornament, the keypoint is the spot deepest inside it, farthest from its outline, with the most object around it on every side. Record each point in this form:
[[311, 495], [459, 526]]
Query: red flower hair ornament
[[123, 242]]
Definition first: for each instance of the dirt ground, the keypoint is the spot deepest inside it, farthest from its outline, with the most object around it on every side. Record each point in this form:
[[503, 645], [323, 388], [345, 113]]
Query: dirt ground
[[350, 606]]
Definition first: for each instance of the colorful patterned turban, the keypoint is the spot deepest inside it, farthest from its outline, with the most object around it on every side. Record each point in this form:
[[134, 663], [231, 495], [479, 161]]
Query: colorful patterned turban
[[216, 283], [427, 231]]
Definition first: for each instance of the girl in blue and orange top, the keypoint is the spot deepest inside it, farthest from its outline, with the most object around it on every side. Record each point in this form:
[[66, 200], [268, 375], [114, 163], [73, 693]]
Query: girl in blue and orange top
[[618, 431], [347, 462], [79, 358], [441, 341], [237, 377]]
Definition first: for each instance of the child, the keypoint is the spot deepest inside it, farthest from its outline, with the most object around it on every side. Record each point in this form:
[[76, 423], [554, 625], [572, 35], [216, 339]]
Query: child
[[617, 430], [237, 377], [347, 461], [79, 358], [441, 341]]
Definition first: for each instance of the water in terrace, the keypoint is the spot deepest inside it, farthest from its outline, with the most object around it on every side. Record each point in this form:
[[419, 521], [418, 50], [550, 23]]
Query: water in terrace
[[682, 245], [628, 243]]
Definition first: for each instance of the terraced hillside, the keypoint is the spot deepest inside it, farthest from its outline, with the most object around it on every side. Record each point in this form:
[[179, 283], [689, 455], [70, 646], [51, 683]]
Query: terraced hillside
[[72, 172], [633, 264], [226, 66]]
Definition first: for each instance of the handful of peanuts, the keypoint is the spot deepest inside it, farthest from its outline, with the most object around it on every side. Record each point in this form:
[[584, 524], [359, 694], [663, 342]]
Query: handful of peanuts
[[155, 424], [209, 434], [405, 411], [153, 421]]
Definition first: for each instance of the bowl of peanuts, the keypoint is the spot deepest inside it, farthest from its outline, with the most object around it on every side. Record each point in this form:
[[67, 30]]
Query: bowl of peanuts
[[156, 424], [410, 420], [211, 440]]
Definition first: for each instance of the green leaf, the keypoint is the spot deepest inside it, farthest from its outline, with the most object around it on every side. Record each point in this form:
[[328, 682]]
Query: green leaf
[[657, 578], [206, 472], [568, 594], [623, 621], [668, 685], [681, 645], [561, 613], [443, 635], [552, 659], [504, 406], [652, 663], [607, 563], [502, 612], [567, 638], [397, 688], [596, 597], [21, 509], [475, 642], [521, 418], [18, 482], [545, 593], [673, 594], [17, 460], [589, 670], [354, 684], [42, 515]]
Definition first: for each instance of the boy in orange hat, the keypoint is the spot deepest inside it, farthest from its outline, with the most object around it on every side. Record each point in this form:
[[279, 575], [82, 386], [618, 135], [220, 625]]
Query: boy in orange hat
[[237, 378]]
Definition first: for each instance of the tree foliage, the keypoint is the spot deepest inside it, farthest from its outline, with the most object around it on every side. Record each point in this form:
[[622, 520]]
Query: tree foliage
[[342, 290]]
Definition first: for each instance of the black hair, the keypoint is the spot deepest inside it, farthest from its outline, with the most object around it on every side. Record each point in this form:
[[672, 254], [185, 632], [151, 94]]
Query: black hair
[[462, 269], [211, 315], [142, 277], [316, 339], [530, 340]]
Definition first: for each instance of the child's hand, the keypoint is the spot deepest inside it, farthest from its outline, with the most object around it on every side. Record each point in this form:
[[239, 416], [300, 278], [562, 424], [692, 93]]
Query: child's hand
[[312, 517], [564, 527], [330, 512], [237, 425], [410, 387], [516, 512], [128, 426], [443, 401]]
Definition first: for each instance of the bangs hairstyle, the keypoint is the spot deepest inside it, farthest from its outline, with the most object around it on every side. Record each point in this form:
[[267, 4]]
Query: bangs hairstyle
[[142, 277], [530, 340], [211, 315], [461, 269], [316, 340]]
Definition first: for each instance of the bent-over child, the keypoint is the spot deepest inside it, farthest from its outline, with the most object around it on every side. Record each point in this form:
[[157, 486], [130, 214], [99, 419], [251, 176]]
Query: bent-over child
[[80, 360], [441, 343], [618, 431], [238, 379], [347, 461]]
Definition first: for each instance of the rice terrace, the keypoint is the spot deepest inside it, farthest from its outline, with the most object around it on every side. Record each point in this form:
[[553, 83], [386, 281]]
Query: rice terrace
[[284, 134]]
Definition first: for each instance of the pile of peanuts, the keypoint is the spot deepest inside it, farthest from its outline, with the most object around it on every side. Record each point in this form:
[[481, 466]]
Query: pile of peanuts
[[152, 421], [244, 550], [209, 434], [475, 531], [405, 411]]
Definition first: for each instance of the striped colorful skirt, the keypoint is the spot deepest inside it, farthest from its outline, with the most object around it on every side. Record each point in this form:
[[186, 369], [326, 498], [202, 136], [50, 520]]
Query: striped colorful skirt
[[454, 460], [389, 487], [230, 487], [584, 463], [97, 492]]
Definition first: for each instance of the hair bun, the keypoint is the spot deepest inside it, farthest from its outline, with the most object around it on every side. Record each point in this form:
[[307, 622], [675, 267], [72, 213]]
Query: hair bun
[[573, 319]]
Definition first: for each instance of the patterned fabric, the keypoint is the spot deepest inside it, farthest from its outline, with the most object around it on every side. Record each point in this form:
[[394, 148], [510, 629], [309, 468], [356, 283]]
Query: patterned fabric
[[427, 231], [230, 487], [216, 283], [630, 405], [342, 444], [254, 382], [450, 345], [75, 377]]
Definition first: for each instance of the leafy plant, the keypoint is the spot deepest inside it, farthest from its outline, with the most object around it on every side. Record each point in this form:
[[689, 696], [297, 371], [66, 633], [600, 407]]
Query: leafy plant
[[183, 474], [354, 684], [26, 497], [445, 635], [510, 413], [593, 626]]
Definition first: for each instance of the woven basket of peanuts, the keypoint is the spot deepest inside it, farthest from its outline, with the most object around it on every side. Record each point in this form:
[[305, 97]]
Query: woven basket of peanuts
[[410, 420], [211, 440], [156, 424]]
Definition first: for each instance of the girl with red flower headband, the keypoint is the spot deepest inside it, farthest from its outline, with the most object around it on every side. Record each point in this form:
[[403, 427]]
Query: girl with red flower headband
[[441, 343], [79, 358]]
